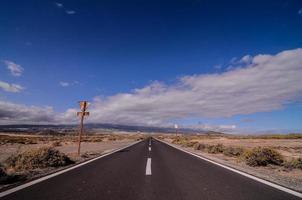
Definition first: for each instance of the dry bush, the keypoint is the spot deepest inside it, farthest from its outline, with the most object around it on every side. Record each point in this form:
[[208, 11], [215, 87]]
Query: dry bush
[[92, 139], [295, 163], [179, 140], [10, 178], [56, 144], [217, 148], [7, 139], [37, 158], [3, 175], [233, 151], [268, 136], [262, 156], [189, 143], [200, 146]]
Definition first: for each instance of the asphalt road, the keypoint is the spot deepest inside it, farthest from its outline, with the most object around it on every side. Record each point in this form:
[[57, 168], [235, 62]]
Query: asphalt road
[[170, 175]]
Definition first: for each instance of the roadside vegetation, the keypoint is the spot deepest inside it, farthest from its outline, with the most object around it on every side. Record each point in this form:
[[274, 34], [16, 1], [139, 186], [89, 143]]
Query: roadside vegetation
[[27, 156], [37, 159], [254, 157], [58, 140], [20, 166]]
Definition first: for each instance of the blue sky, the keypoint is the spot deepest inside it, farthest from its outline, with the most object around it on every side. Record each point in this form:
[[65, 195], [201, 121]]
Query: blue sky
[[103, 51]]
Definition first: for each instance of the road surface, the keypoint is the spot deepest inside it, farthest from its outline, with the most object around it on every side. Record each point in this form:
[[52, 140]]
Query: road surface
[[152, 172]]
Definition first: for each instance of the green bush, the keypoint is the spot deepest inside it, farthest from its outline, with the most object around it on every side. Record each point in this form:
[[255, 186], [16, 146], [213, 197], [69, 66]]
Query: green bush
[[38, 158], [232, 151], [262, 156], [295, 163]]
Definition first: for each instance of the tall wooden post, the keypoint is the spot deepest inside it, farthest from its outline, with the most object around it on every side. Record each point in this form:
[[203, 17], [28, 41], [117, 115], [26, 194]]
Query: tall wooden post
[[82, 114]]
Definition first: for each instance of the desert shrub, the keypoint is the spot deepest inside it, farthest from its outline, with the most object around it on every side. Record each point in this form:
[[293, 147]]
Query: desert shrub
[[179, 140], [6, 178], [232, 151], [217, 148], [3, 175], [189, 143], [199, 146], [112, 138], [262, 156], [6, 139], [56, 144], [38, 158], [295, 163]]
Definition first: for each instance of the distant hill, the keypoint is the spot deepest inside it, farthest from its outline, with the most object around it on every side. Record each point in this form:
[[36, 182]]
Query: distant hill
[[52, 129]]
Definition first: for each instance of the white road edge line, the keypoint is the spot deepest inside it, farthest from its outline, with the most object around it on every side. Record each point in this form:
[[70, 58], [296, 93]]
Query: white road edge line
[[20, 187], [279, 187], [148, 167], [149, 148]]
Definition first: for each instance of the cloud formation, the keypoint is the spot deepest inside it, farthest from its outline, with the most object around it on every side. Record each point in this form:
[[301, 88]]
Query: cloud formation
[[70, 12], [67, 84], [264, 83], [67, 11], [59, 5], [64, 84], [10, 87], [11, 113], [15, 69], [267, 83]]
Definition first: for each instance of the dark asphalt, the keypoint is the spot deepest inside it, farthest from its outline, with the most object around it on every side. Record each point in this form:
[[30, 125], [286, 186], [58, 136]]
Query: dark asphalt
[[175, 175]]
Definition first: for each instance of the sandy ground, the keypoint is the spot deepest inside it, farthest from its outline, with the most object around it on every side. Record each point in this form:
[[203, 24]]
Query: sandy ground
[[288, 147], [69, 148]]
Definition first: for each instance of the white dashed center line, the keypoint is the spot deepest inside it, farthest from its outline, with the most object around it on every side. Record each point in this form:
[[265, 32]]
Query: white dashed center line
[[148, 167], [149, 148]]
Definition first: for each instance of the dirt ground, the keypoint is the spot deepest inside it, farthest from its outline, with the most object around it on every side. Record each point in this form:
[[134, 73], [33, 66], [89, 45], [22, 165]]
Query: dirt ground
[[69, 148], [290, 148]]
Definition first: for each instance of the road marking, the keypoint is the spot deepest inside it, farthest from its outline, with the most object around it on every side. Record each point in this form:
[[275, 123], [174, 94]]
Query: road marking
[[20, 187], [149, 148], [279, 187], [148, 167]]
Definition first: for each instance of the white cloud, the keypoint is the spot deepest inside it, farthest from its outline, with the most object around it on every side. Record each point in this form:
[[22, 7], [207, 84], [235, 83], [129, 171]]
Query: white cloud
[[66, 84], [59, 5], [70, 12], [217, 67], [246, 59], [268, 83], [15, 69], [11, 113], [10, 87], [218, 128]]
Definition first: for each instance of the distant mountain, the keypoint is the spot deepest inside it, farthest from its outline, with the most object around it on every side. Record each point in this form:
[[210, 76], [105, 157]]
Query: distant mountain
[[69, 128]]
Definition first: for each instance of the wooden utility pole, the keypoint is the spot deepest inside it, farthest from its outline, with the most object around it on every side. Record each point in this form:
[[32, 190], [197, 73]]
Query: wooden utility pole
[[82, 114]]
